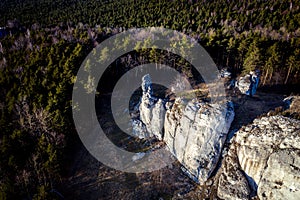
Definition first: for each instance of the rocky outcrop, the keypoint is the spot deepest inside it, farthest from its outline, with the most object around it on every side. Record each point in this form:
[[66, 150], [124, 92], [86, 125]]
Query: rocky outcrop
[[152, 113], [268, 152], [194, 131], [248, 84], [262, 159], [292, 106], [281, 178]]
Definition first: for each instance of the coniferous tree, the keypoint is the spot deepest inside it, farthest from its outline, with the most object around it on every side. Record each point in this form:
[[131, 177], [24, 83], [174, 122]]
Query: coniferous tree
[[253, 58], [272, 62], [293, 64]]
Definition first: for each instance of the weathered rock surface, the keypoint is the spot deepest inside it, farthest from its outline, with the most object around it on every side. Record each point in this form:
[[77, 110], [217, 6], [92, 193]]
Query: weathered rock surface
[[232, 183], [139, 129], [194, 131], [268, 151], [281, 178], [248, 84], [292, 106], [152, 113], [224, 73]]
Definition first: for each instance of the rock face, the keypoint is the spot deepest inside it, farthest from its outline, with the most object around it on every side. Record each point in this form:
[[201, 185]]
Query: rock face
[[268, 152], [248, 84], [232, 183], [193, 131], [263, 158], [152, 113]]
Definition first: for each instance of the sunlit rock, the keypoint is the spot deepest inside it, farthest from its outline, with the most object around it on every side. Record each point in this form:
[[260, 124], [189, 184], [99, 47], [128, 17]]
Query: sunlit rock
[[268, 151], [194, 131], [248, 84]]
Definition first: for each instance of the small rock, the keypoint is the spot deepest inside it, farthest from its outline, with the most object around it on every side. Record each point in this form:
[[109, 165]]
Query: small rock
[[248, 84], [138, 156]]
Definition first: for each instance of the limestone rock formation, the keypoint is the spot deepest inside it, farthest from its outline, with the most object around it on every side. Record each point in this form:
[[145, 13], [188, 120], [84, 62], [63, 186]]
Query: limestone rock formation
[[268, 152], [194, 131], [248, 84], [224, 73], [281, 178], [139, 129], [152, 112]]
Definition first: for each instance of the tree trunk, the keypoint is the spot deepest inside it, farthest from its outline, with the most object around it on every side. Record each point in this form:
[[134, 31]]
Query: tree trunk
[[271, 75], [288, 74], [227, 60], [265, 78]]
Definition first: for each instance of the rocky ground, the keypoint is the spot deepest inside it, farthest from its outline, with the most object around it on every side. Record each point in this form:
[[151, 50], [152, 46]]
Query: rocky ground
[[92, 180]]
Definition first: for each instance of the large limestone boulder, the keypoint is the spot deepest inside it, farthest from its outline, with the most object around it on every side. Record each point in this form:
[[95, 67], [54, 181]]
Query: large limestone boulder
[[268, 152], [194, 131], [281, 178], [263, 152]]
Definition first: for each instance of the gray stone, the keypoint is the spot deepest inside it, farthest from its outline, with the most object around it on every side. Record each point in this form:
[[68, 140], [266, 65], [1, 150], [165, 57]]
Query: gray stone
[[232, 183], [139, 129], [248, 84], [194, 131], [157, 121], [268, 151], [281, 178], [152, 110]]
